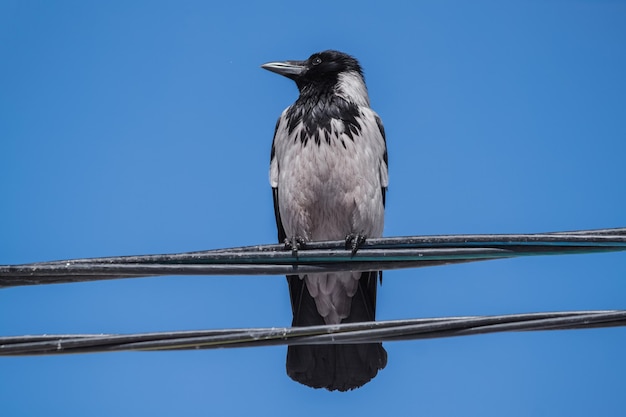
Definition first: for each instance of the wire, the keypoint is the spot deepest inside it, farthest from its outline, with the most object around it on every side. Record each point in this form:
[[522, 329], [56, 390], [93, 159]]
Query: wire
[[369, 332], [373, 255]]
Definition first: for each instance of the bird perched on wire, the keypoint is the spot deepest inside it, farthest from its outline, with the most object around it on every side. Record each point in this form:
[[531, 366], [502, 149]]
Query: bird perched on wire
[[328, 173]]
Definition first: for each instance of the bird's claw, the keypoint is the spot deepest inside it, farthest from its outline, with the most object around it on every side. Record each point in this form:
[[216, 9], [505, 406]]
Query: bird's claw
[[354, 242], [294, 243]]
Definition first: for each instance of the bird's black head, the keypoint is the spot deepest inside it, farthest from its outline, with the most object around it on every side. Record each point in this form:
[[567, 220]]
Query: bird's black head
[[321, 70]]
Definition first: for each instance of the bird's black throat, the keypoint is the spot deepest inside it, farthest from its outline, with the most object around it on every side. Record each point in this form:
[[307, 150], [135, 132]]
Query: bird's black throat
[[316, 112]]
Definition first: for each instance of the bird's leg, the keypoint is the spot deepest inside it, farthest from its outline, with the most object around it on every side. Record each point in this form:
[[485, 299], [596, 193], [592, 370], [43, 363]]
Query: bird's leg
[[354, 241], [294, 243]]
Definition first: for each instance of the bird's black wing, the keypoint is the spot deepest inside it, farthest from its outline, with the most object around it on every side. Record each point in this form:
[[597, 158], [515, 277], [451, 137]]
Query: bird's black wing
[[302, 304], [279, 224], [334, 367], [381, 128]]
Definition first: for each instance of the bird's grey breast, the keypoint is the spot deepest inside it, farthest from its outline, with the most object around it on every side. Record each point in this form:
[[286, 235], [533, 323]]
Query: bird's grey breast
[[326, 166]]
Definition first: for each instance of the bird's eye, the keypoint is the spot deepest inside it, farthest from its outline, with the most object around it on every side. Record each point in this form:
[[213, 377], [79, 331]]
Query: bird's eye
[[317, 61]]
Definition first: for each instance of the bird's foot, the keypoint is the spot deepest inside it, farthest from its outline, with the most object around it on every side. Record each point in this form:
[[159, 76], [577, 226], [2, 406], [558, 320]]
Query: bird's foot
[[294, 243], [354, 241]]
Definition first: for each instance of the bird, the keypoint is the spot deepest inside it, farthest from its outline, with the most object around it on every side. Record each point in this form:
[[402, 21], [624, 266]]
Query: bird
[[329, 178]]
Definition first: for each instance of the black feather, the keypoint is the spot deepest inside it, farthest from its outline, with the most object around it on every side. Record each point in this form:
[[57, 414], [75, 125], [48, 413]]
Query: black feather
[[334, 367], [381, 128], [316, 116]]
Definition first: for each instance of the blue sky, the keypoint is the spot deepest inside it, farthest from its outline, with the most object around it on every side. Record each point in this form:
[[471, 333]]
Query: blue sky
[[145, 127]]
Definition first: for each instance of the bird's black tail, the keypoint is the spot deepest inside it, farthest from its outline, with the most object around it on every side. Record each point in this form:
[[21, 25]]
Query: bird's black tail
[[334, 367]]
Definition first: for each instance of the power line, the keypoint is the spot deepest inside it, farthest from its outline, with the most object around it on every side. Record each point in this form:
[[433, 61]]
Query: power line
[[379, 331], [375, 254]]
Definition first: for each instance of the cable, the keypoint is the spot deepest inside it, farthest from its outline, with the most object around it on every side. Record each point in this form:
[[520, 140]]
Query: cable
[[369, 332], [375, 254]]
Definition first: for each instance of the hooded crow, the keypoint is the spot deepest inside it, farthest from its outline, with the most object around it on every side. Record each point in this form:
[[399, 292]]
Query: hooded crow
[[328, 173]]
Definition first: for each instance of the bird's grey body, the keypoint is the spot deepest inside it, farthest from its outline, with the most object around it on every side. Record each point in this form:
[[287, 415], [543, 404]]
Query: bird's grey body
[[328, 191], [328, 171]]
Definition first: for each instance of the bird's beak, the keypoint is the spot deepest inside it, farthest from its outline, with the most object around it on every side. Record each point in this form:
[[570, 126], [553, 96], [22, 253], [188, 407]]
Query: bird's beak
[[289, 69]]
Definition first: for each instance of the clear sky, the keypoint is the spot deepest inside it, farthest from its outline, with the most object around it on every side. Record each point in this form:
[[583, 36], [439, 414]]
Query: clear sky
[[140, 127]]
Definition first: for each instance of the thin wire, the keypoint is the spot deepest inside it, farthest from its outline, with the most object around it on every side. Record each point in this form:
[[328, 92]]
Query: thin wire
[[369, 332], [375, 254]]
